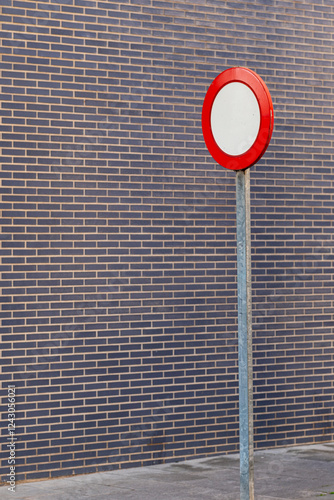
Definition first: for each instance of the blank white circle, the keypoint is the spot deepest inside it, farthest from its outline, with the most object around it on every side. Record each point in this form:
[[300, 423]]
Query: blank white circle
[[235, 118]]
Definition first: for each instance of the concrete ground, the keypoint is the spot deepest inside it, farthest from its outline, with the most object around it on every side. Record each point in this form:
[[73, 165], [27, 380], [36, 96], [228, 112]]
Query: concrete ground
[[295, 473]]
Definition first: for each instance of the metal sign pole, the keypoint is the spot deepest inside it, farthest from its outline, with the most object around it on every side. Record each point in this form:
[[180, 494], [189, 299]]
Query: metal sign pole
[[245, 334]]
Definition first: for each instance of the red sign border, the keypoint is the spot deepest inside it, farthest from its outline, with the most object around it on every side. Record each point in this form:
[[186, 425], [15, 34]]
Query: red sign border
[[261, 92]]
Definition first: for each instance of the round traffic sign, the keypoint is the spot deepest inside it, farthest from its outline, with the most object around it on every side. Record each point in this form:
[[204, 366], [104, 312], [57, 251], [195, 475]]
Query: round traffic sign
[[237, 118]]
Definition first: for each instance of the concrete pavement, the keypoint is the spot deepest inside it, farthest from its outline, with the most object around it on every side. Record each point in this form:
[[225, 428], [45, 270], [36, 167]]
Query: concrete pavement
[[294, 473]]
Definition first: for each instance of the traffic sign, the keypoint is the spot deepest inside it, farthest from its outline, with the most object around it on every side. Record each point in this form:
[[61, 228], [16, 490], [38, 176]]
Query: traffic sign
[[237, 118], [237, 123]]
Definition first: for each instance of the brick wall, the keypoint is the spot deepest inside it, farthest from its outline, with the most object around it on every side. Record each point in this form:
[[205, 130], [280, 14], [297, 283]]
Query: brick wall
[[118, 231]]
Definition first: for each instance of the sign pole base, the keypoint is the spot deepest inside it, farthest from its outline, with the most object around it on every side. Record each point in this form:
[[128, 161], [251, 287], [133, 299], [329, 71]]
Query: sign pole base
[[245, 335]]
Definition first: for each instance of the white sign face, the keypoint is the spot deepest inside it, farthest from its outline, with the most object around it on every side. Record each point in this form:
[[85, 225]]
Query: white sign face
[[235, 118]]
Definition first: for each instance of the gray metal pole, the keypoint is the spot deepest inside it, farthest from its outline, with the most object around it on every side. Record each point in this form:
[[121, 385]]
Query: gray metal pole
[[245, 335]]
